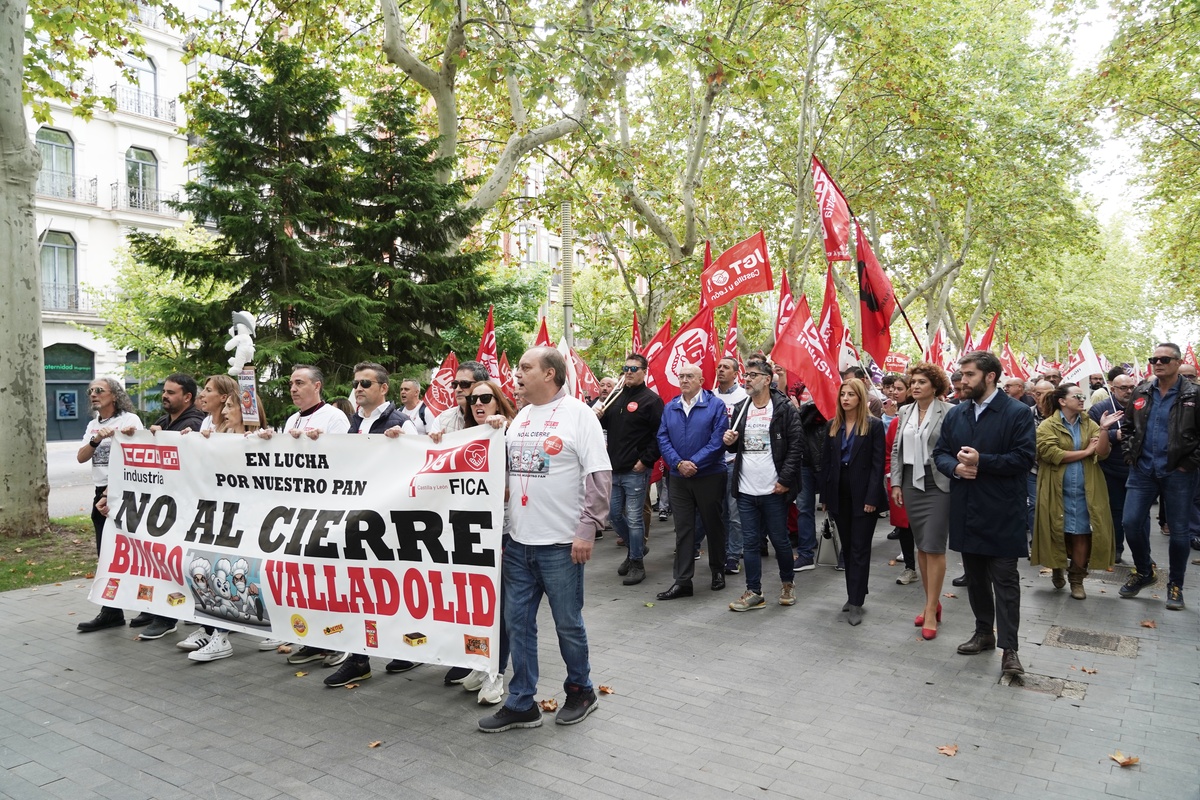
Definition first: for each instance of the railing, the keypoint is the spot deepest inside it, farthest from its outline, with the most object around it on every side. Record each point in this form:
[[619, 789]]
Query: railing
[[145, 15], [66, 186], [147, 104], [69, 297], [135, 198]]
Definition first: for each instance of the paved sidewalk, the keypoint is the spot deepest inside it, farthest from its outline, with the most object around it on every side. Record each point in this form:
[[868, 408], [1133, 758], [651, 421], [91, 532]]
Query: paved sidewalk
[[782, 702]]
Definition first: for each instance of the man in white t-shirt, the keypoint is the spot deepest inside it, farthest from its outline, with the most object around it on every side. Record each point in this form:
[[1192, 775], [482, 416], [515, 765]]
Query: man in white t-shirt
[[559, 479], [729, 390], [454, 418], [113, 411], [413, 406]]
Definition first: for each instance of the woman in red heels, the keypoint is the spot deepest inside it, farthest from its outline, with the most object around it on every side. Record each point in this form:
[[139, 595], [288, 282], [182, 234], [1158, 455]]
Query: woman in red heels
[[921, 489]]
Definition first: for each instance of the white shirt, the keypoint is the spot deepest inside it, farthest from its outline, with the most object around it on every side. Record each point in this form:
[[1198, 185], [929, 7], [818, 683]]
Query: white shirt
[[757, 476], [327, 419], [735, 395], [126, 419], [383, 408], [551, 449], [414, 417], [448, 421], [686, 406]]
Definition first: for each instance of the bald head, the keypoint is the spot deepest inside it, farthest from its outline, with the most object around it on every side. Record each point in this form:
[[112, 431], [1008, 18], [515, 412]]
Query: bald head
[[690, 381]]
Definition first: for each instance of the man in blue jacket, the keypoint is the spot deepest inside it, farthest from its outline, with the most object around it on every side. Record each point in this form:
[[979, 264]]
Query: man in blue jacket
[[986, 449], [689, 439]]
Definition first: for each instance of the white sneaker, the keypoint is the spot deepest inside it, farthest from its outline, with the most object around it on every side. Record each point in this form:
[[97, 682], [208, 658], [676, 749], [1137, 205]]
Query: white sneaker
[[218, 647], [472, 682], [333, 659], [194, 642], [270, 644], [492, 690], [907, 577]]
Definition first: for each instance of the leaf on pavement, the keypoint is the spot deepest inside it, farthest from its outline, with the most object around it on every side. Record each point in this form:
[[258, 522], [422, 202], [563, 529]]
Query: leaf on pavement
[[1123, 760], [374, 744], [606, 690], [1149, 623], [301, 674], [951, 595], [1089, 670], [351, 685], [892, 563], [948, 749], [549, 705]]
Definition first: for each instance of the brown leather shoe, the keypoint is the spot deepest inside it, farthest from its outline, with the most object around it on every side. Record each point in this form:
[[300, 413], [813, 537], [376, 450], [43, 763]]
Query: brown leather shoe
[[1010, 664], [1058, 578], [977, 644]]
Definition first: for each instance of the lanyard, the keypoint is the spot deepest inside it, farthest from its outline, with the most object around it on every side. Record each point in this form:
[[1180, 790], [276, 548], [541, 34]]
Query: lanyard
[[523, 477]]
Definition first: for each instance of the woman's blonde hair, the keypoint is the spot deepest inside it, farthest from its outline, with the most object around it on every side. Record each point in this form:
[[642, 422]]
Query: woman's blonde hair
[[861, 422], [230, 420]]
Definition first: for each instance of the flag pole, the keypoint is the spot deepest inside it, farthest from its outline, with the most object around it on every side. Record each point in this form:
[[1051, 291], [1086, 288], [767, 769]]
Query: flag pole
[[899, 307]]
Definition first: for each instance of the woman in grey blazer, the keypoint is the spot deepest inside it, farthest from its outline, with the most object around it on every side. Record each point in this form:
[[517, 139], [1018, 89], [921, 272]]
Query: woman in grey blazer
[[920, 488]]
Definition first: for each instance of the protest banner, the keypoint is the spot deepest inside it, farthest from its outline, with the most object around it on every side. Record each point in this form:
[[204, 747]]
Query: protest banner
[[388, 547]]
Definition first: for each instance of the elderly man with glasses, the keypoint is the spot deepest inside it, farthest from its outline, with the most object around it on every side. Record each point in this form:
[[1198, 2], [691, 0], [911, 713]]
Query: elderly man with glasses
[[1116, 471], [690, 440], [1160, 437]]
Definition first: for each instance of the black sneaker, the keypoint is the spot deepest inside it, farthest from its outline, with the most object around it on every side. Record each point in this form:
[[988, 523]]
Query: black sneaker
[[396, 666], [577, 706], [158, 629], [352, 670], [455, 676], [306, 654], [1136, 583], [506, 718]]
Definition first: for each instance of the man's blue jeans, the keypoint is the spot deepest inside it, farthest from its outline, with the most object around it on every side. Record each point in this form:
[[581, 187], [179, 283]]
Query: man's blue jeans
[[765, 515], [806, 515], [1176, 491], [733, 520], [531, 571], [625, 505]]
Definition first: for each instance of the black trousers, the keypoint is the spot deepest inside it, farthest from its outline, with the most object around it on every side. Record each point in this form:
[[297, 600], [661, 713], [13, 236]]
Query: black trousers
[[689, 496], [994, 589], [855, 531], [97, 517]]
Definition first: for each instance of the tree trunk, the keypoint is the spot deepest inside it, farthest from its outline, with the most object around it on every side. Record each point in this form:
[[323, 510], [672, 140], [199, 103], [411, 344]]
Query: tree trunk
[[23, 484]]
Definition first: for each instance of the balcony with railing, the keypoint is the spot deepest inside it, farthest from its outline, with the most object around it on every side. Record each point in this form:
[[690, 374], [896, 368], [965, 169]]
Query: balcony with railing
[[66, 186], [147, 201], [145, 15], [147, 104], [71, 298]]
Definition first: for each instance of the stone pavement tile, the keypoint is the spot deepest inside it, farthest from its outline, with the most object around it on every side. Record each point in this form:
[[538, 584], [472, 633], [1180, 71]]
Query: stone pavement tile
[[17, 788], [243, 786], [68, 789], [34, 773]]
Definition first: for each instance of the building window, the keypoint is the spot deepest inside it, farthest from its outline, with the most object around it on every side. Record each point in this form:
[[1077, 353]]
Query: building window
[[58, 271], [57, 178], [141, 179], [210, 8], [145, 75], [552, 256]]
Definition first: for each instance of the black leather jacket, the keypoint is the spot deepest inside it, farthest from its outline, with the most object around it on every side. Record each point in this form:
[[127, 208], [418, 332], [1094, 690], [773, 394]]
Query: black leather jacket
[[1183, 428]]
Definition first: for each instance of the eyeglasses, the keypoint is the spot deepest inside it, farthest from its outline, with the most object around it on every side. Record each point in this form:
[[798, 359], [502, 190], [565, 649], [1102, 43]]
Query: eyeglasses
[[628, 368], [482, 399], [689, 377], [1078, 397], [365, 384], [464, 385], [758, 375], [1164, 360], [96, 390]]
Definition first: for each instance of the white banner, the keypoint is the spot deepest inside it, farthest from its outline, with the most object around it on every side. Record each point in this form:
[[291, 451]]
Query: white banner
[[389, 547]]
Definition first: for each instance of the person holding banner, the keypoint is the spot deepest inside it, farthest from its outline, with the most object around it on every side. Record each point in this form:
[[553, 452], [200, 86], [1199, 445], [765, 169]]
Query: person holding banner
[[112, 411], [559, 482], [852, 487], [375, 413], [454, 418]]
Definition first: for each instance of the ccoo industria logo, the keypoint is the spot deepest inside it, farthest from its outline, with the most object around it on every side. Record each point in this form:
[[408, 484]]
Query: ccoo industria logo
[[150, 456]]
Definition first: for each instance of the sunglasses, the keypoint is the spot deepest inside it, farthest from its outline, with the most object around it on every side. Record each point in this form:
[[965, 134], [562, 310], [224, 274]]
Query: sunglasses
[[464, 385], [1078, 397], [96, 390], [1164, 360], [628, 368], [482, 399], [365, 384]]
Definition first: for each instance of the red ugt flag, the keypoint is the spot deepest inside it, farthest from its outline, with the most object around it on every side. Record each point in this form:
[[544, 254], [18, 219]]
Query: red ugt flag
[[543, 336], [507, 385], [834, 211], [692, 344], [986, 342], [637, 334], [440, 394], [1010, 363], [876, 298], [801, 352], [831, 326], [654, 348], [487, 354], [742, 269], [787, 306]]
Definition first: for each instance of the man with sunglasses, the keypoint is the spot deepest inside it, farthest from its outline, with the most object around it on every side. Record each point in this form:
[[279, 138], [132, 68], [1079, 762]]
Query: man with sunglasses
[[631, 422], [454, 418], [1160, 437], [376, 414]]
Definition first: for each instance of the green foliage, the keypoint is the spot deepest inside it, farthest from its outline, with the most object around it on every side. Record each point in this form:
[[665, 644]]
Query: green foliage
[[339, 245]]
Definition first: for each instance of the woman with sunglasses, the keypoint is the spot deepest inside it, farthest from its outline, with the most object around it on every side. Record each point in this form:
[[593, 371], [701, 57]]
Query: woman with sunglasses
[[1072, 525], [487, 405]]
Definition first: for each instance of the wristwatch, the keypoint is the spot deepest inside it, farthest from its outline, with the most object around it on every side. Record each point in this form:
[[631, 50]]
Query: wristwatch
[[94, 443]]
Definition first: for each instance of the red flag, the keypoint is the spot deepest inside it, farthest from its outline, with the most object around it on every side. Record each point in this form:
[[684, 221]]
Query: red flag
[[896, 362], [835, 213], [543, 336], [691, 344], [742, 269], [831, 326], [507, 385], [933, 351], [487, 348], [637, 334], [731, 348], [1189, 356], [986, 342], [1010, 363], [787, 306], [586, 384], [801, 353], [440, 394], [876, 298], [655, 347], [968, 342]]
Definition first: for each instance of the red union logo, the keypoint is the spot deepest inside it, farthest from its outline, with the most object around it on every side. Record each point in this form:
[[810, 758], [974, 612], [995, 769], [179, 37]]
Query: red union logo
[[150, 456], [469, 457], [443, 394], [689, 349], [720, 278]]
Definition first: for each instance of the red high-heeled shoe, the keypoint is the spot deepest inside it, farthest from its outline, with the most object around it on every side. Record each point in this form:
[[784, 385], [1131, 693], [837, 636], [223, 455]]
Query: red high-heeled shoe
[[928, 634], [920, 619]]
